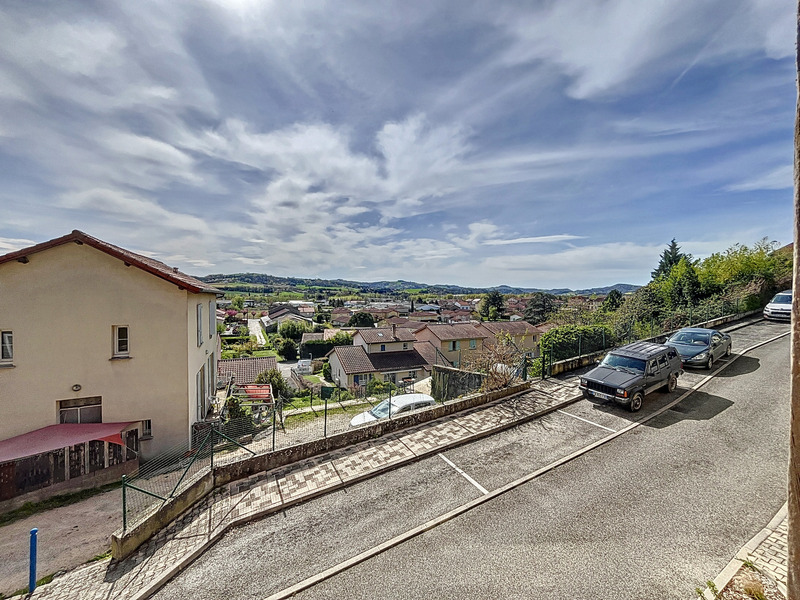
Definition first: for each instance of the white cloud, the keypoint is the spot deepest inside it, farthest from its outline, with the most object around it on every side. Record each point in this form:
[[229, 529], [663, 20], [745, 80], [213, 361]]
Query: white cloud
[[542, 239], [777, 179], [11, 244]]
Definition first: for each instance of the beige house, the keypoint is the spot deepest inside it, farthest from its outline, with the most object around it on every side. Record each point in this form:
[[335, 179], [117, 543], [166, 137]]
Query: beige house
[[93, 333], [524, 335], [455, 341], [385, 354]]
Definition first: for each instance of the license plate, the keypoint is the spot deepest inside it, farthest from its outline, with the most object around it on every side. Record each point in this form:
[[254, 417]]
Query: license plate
[[601, 395]]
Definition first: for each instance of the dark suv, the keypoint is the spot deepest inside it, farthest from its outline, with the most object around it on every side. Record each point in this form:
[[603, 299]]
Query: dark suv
[[627, 374]]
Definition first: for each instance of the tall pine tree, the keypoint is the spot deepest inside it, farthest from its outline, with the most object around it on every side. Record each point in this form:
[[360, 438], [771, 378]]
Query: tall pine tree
[[669, 258]]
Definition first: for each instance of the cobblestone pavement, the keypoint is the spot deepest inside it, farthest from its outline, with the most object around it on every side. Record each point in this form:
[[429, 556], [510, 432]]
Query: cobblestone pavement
[[771, 555], [184, 539]]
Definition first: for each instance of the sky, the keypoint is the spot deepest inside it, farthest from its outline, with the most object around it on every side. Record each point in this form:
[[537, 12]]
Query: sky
[[542, 144]]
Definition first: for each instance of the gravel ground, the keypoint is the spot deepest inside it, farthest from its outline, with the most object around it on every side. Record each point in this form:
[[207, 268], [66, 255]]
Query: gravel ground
[[746, 585]]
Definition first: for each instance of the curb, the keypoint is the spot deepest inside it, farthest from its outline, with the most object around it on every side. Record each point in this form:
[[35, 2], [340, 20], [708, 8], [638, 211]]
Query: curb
[[184, 562], [725, 576]]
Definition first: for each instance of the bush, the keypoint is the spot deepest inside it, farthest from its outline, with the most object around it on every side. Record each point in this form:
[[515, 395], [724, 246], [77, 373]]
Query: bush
[[280, 387], [326, 371], [286, 348]]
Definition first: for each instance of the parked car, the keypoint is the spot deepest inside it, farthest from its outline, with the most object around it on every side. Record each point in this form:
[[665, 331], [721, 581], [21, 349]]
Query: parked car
[[401, 405], [700, 347], [780, 307], [630, 372]]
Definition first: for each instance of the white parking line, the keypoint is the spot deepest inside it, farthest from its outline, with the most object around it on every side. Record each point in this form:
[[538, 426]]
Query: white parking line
[[482, 489], [587, 421]]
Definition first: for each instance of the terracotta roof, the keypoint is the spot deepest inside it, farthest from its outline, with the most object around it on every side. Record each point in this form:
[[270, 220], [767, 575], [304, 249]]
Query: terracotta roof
[[397, 361], [355, 360], [427, 351], [456, 331], [150, 265], [511, 327], [307, 337], [245, 370], [382, 335]]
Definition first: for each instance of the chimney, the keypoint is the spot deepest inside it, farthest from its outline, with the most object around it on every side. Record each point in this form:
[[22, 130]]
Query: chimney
[[394, 331]]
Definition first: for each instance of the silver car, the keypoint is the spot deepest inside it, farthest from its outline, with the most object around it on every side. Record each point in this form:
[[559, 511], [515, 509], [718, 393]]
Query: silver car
[[700, 347], [400, 406]]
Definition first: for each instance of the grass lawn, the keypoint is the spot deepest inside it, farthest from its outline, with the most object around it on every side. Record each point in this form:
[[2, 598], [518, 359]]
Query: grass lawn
[[260, 353], [313, 378]]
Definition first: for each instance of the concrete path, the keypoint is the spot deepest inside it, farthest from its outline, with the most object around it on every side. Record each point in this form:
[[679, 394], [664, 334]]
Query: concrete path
[[185, 539], [254, 327]]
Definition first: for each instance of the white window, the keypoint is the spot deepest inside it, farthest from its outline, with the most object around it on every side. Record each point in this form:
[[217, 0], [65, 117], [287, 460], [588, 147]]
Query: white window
[[122, 345], [81, 410], [147, 428], [199, 325], [7, 345], [212, 319]]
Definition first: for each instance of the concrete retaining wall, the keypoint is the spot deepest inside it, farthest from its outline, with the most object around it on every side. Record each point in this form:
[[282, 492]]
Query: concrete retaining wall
[[125, 543]]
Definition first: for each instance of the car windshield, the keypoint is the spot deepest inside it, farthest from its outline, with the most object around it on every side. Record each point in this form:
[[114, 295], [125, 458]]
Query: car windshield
[[693, 338], [623, 362], [782, 299], [382, 410]]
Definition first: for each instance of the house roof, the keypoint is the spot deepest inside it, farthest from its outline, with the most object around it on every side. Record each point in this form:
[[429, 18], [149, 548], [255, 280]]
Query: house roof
[[455, 331], [382, 335], [427, 351], [308, 337], [245, 370], [355, 360], [511, 327], [150, 265]]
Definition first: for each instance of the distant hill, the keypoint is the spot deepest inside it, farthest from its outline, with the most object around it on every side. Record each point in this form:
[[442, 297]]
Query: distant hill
[[262, 283]]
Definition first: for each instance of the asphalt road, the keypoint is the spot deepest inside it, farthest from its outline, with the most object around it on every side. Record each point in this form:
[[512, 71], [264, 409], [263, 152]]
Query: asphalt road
[[648, 515]]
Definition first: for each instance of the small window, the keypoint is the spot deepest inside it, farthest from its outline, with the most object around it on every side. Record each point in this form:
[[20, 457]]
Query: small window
[[121, 340], [212, 319], [405, 345], [199, 325], [81, 410], [147, 428], [383, 347], [653, 366], [412, 374], [473, 344], [7, 345], [662, 361]]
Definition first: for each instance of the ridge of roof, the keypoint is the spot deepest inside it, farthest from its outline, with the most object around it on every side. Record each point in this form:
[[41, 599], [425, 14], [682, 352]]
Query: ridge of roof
[[149, 265]]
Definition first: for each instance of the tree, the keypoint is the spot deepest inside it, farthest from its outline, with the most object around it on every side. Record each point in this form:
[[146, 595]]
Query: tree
[[293, 330], [669, 258], [237, 303], [492, 300], [539, 308], [612, 302], [280, 387], [287, 348], [681, 287], [361, 319]]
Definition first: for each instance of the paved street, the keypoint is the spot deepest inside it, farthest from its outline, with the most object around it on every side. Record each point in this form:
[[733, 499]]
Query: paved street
[[648, 515]]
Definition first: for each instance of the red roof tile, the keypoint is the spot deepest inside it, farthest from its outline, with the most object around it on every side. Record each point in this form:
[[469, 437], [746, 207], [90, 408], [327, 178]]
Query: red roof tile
[[150, 265]]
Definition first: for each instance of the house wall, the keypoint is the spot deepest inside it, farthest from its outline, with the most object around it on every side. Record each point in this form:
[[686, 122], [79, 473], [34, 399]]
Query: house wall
[[337, 371], [61, 308]]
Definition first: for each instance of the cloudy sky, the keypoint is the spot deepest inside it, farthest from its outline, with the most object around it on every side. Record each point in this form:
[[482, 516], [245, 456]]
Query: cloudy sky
[[538, 143]]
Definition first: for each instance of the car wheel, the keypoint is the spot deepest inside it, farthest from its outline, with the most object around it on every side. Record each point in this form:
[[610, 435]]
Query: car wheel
[[710, 363], [672, 383], [728, 350], [636, 402], [586, 395]]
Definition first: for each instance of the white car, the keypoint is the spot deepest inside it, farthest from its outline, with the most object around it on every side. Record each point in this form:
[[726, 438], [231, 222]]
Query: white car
[[401, 405], [780, 307]]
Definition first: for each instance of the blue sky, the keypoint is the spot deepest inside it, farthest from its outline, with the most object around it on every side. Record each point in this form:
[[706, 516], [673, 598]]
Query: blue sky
[[537, 144]]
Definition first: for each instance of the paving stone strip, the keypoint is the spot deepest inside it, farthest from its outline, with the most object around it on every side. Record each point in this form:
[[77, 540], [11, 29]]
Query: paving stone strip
[[164, 555]]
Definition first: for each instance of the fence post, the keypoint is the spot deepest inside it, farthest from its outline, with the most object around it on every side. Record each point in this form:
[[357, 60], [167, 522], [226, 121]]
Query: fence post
[[325, 426], [213, 431], [124, 503], [274, 411], [580, 340], [604, 338], [32, 566]]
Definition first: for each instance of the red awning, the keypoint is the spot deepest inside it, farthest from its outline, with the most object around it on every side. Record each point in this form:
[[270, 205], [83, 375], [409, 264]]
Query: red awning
[[60, 436]]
